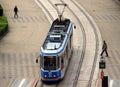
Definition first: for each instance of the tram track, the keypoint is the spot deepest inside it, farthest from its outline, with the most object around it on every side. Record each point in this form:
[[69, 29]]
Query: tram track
[[97, 44], [84, 42], [50, 19], [42, 6], [83, 49]]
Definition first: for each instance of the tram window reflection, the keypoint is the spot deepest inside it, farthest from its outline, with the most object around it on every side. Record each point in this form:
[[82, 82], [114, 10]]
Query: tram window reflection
[[49, 62]]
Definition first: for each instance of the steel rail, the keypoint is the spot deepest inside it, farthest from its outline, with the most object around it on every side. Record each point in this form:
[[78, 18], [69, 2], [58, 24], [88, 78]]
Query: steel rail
[[97, 44], [84, 44], [84, 47], [52, 19]]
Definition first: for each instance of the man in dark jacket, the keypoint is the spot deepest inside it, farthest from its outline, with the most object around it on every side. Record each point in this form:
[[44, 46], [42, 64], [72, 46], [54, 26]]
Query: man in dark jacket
[[15, 12], [104, 48]]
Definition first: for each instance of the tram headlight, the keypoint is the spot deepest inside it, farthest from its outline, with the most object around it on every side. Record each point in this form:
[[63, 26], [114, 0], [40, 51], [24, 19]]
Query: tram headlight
[[54, 75], [45, 75]]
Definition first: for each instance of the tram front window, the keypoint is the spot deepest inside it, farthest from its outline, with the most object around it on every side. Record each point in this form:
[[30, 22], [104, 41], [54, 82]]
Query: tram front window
[[49, 63]]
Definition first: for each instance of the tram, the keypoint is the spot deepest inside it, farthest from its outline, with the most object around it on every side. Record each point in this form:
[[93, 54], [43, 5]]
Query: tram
[[56, 51]]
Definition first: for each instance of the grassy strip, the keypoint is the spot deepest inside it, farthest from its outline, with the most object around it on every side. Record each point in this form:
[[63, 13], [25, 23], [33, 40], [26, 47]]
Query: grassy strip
[[3, 25]]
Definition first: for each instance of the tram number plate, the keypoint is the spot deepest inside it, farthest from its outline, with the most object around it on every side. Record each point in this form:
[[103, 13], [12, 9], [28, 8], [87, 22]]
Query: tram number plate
[[50, 74]]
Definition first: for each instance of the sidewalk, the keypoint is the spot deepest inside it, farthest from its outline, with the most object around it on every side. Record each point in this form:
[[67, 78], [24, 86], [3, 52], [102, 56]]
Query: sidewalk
[[32, 24], [21, 44]]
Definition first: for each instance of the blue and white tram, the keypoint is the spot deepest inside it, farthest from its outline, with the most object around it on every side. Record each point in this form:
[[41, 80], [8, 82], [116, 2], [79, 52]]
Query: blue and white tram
[[56, 51]]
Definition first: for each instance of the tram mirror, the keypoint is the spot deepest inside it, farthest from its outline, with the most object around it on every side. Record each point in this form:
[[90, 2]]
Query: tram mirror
[[74, 27], [36, 60]]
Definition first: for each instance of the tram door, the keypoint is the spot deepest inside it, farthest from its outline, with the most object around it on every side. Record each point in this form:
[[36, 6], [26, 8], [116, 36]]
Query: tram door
[[62, 61], [64, 58]]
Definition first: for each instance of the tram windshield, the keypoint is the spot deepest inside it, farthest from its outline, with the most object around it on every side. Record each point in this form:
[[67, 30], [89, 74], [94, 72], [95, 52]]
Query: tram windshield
[[50, 63]]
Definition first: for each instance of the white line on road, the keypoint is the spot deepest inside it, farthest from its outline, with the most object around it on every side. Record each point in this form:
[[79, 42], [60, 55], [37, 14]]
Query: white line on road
[[21, 83], [111, 83]]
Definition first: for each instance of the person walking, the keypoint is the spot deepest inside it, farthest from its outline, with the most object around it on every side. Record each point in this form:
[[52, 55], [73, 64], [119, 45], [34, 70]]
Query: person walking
[[15, 12], [104, 49]]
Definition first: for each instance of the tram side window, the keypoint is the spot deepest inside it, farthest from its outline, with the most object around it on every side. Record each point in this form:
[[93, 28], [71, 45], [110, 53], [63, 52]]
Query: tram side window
[[62, 62], [67, 51], [70, 40], [41, 63], [58, 64]]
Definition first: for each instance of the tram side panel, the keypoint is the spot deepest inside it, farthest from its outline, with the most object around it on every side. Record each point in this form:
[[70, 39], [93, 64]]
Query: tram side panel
[[50, 54], [65, 57]]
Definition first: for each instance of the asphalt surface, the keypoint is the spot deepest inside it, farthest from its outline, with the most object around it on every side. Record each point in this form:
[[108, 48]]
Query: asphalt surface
[[105, 13], [78, 62], [20, 46]]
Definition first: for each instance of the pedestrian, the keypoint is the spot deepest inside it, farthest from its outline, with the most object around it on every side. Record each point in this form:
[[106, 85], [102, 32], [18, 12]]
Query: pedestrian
[[104, 49], [15, 12]]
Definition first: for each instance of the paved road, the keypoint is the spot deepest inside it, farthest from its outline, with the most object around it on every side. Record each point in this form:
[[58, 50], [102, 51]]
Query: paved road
[[22, 52], [107, 16], [20, 47], [106, 13], [90, 41]]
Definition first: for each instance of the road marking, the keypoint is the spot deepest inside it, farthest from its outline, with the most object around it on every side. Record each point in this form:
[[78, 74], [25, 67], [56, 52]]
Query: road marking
[[21, 83], [15, 83], [26, 83], [117, 84], [111, 83]]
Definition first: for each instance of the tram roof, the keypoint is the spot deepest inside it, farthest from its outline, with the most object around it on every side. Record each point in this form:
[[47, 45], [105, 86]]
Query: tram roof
[[57, 37]]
